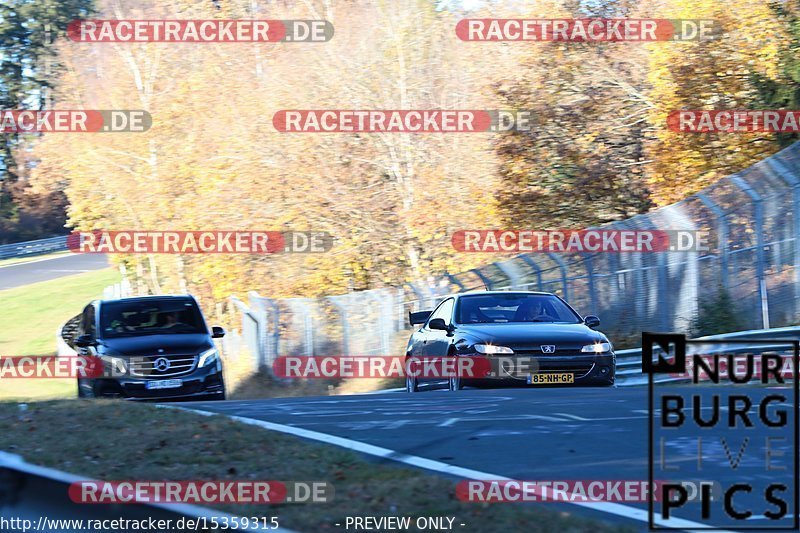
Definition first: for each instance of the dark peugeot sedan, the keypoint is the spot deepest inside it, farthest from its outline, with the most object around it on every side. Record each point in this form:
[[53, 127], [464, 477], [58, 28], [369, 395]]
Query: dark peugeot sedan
[[152, 347], [528, 338]]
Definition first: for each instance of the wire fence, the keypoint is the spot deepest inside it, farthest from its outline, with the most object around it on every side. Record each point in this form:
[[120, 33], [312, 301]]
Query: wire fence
[[752, 219]]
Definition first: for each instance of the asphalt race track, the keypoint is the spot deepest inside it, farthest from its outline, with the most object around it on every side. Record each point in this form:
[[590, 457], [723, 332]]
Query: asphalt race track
[[528, 434], [19, 274]]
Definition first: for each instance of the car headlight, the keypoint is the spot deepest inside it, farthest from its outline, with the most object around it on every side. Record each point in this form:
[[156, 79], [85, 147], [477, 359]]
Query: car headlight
[[208, 357], [492, 349], [598, 347]]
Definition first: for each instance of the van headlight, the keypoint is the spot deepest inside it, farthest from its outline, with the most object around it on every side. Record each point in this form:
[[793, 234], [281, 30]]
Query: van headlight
[[208, 357], [117, 365], [598, 347], [490, 349]]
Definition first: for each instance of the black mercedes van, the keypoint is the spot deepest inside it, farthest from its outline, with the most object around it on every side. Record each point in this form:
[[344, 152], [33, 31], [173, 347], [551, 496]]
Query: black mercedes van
[[151, 348]]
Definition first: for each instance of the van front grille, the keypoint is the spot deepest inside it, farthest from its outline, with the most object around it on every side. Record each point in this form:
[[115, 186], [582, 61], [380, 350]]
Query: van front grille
[[162, 366]]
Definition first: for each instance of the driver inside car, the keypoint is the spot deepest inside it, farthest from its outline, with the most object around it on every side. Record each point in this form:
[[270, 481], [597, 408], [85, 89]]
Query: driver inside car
[[532, 310]]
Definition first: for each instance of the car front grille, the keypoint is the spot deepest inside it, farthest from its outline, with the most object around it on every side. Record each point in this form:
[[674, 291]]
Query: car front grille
[[152, 366], [558, 351]]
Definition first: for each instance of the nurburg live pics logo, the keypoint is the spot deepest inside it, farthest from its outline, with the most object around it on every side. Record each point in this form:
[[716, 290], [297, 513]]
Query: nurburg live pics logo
[[734, 426]]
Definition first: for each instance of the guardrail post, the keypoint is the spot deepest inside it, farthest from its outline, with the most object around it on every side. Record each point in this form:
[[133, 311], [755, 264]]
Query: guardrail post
[[270, 328], [722, 235], [563, 267], [758, 209], [793, 181], [511, 270], [455, 281], [589, 262], [344, 321], [254, 343], [383, 328], [400, 325], [418, 294], [308, 322], [664, 307], [486, 281], [536, 268], [665, 301], [636, 269]]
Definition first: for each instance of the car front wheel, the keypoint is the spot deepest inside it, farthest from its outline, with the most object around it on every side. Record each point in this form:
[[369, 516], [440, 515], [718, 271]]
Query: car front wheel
[[456, 382], [412, 383]]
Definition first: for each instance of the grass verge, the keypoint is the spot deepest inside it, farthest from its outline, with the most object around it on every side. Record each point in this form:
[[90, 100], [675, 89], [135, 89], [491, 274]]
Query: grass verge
[[138, 441], [30, 316]]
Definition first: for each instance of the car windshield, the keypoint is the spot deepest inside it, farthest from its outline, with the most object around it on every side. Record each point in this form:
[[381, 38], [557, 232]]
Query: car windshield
[[151, 317], [502, 308]]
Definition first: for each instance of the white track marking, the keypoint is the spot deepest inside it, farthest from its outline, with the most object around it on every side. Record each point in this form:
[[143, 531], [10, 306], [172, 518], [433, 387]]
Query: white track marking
[[573, 417], [62, 256], [617, 509]]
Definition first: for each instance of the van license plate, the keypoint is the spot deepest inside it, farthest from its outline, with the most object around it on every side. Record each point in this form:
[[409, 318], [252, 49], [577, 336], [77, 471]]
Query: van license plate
[[163, 384]]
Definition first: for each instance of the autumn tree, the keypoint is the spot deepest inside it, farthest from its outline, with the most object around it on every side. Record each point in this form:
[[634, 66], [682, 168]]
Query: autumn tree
[[748, 53], [213, 159], [28, 68], [582, 162]]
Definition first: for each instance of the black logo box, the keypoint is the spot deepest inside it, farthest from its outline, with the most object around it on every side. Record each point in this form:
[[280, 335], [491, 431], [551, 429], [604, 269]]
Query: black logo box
[[678, 365]]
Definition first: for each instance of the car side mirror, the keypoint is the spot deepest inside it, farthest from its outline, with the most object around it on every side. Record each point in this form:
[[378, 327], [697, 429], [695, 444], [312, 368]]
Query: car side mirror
[[84, 341], [591, 321], [217, 332], [438, 323]]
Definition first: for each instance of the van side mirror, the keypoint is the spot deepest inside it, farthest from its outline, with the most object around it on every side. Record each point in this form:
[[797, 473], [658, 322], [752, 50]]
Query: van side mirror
[[84, 341], [217, 332], [591, 321]]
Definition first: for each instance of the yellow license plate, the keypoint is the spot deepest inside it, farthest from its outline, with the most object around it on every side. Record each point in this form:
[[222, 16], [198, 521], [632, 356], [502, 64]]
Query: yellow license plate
[[547, 379]]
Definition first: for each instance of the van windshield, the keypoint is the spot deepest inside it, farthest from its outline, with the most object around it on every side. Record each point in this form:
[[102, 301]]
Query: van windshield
[[151, 317]]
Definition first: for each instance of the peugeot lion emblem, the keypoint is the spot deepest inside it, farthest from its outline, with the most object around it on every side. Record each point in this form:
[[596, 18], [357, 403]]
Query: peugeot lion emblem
[[548, 348], [161, 364]]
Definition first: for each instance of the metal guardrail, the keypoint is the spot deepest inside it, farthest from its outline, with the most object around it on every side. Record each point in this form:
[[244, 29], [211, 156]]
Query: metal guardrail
[[64, 336], [629, 362], [31, 248], [35, 493]]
